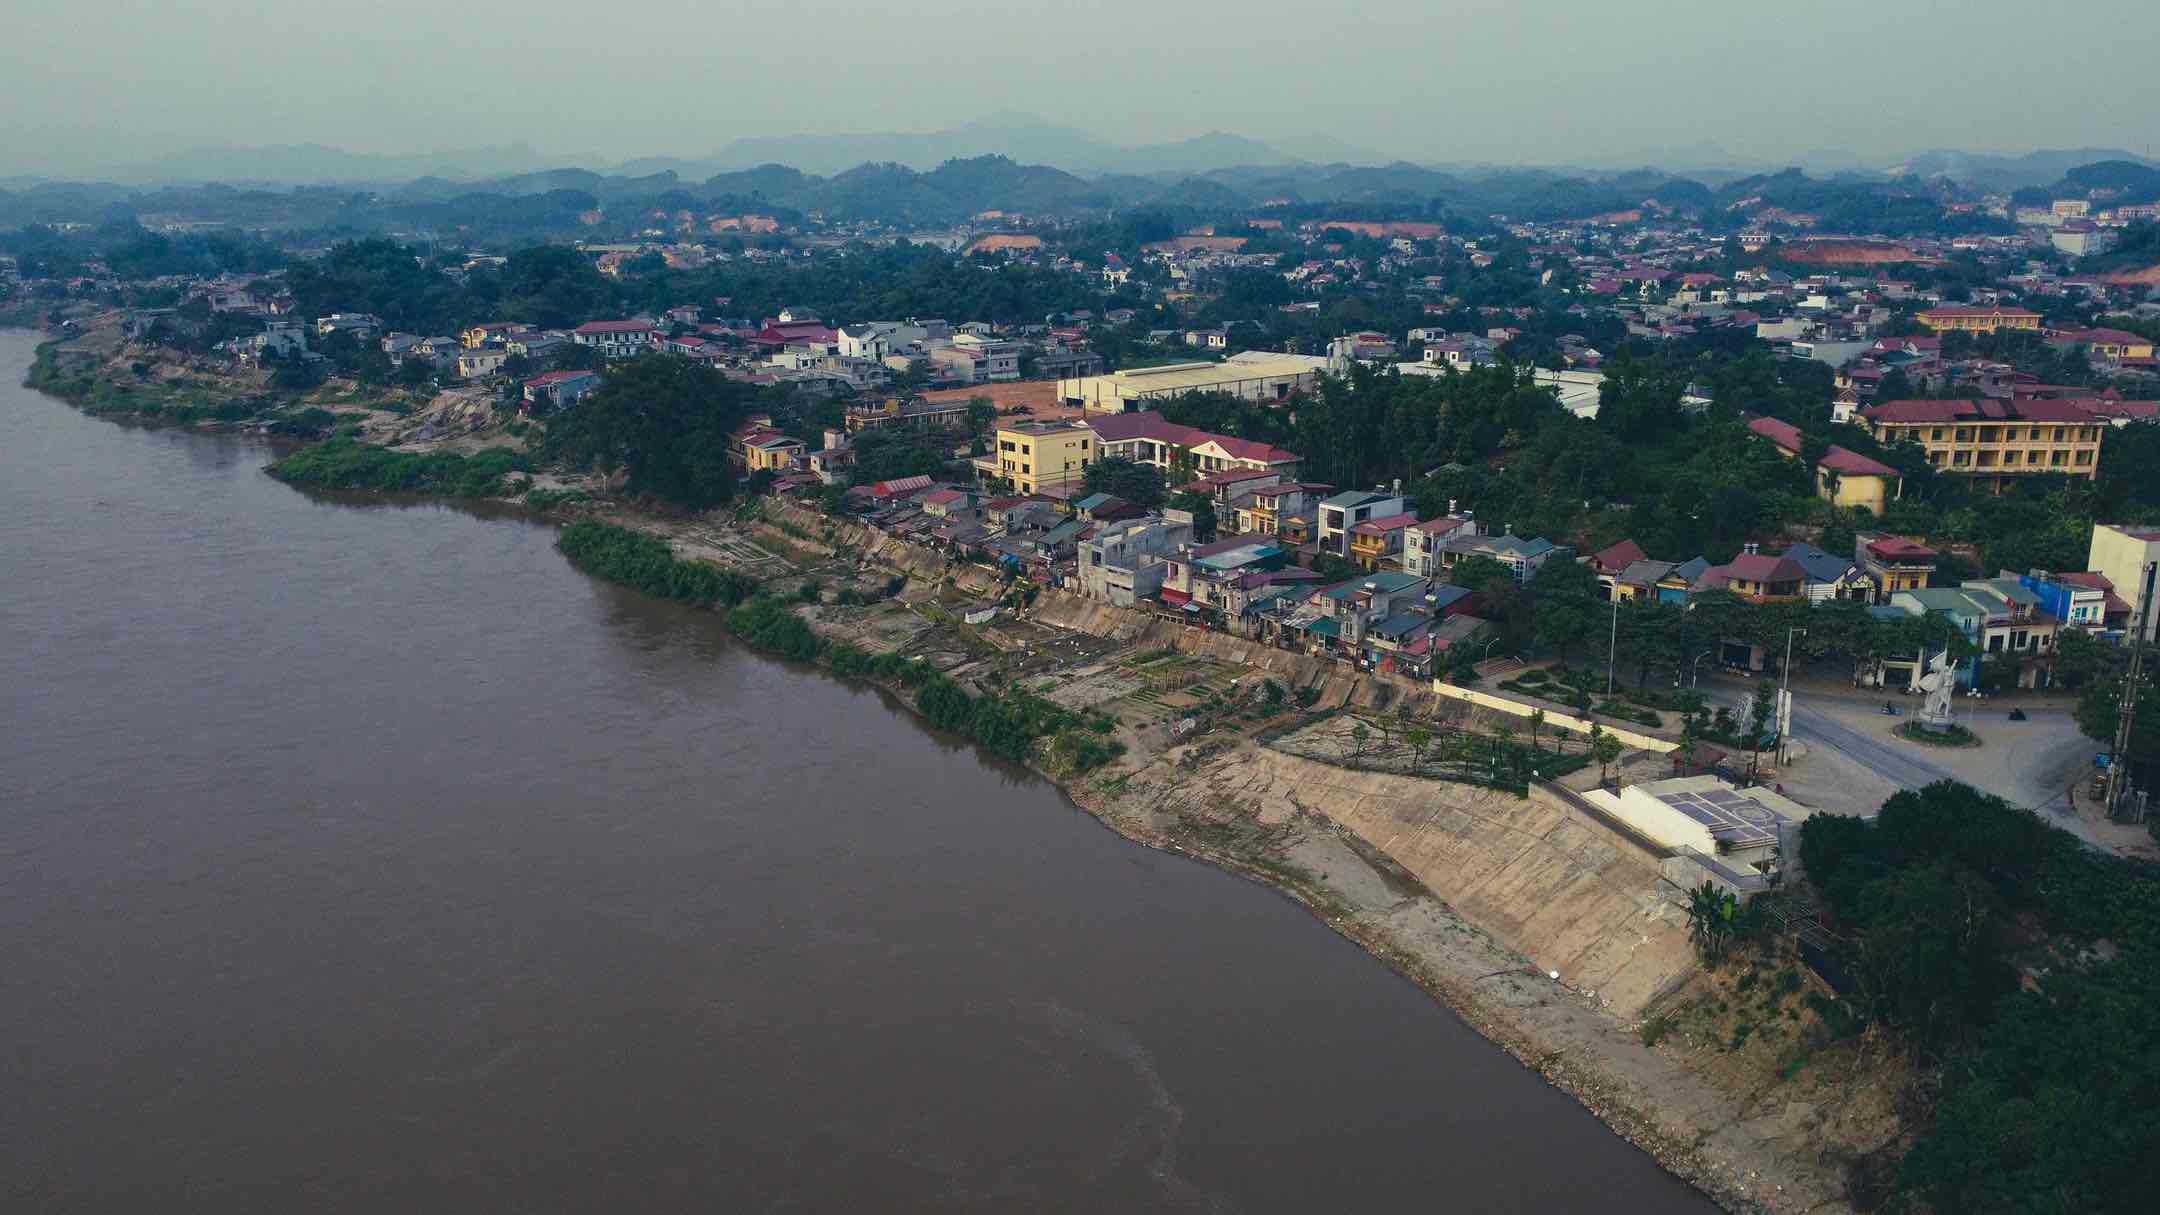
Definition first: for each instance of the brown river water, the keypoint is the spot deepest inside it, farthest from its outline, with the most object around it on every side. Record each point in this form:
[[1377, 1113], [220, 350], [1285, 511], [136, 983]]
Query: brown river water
[[366, 857]]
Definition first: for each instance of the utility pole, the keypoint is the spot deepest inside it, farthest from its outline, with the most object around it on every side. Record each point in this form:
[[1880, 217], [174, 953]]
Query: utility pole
[[2133, 682]]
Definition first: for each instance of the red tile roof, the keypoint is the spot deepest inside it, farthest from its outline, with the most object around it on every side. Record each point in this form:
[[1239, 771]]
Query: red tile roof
[[1620, 556], [1385, 524], [1762, 567]]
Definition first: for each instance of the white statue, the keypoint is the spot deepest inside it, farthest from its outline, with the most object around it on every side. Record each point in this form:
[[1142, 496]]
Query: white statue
[[1940, 679]]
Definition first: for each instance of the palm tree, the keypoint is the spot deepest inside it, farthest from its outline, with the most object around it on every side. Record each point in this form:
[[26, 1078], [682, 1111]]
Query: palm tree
[[1537, 722]]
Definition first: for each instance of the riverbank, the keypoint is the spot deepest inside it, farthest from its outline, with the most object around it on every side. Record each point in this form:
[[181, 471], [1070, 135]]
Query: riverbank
[[1475, 896]]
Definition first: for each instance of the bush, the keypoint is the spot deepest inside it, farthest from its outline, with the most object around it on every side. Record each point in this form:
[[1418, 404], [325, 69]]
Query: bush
[[646, 563], [345, 463]]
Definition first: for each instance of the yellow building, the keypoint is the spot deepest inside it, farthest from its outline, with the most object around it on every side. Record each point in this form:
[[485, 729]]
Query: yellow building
[[1995, 441], [1980, 319], [1844, 477], [2121, 552], [1041, 457]]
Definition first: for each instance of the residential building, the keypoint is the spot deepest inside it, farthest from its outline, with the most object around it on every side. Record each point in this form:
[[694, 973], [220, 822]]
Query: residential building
[[1125, 562], [1842, 476], [1149, 438], [489, 333], [2080, 599], [761, 448], [361, 325], [615, 339], [2122, 553], [1378, 541], [1522, 557], [1991, 440], [1893, 563], [1757, 577], [1041, 457], [1609, 563], [552, 390], [1829, 576], [1344, 511], [2002, 618], [479, 364], [1261, 510], [1271, 378], [1979, 319], [1422, 543]]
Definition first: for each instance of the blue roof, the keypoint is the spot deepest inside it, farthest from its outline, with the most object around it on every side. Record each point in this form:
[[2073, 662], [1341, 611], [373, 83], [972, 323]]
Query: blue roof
[[1354, 497], [1091, 501], [1242, 555]]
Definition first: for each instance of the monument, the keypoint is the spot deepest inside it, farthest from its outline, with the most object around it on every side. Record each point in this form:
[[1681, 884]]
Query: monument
[[1938, 682]]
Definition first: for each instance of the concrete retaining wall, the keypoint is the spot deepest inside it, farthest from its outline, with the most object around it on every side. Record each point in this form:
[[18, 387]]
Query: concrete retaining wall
[[1502, 704]]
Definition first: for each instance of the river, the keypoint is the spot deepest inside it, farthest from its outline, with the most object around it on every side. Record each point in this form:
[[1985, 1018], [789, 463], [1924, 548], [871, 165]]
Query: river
[[366, 857]]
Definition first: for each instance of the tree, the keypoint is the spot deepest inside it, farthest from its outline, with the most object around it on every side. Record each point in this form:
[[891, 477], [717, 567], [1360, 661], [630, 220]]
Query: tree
[[1203, 512], [1139, 484], [1605, 747], [1537, 722], [1713, 922], [1561, 621], [1359, 736], [1420, 738], [664, 422]]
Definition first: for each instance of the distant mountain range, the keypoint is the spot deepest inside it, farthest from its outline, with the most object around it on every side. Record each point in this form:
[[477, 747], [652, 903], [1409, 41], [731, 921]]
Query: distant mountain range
[[1032, 140]]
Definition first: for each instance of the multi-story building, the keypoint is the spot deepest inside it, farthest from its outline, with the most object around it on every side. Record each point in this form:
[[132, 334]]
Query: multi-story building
[[1979, 318], [1893, 563], [2122, 553], [1149, 438], [1041, 457], [1522, 557], [1343, 512], [1422, 543], [615, 339], [1993, 441], [1125, 562], [555, 389], [2077, 598], [1261, 510], [1379, 541], [2002, 618]]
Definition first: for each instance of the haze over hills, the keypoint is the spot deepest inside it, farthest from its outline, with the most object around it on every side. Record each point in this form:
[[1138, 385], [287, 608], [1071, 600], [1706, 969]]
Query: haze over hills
[[1032, 140]]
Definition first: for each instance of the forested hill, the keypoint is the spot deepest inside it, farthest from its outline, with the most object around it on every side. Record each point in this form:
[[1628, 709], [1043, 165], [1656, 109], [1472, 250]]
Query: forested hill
[[562, 202]]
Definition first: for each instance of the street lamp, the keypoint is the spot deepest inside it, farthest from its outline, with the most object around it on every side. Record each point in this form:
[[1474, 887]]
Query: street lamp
[[1695, 669], [1785, 695], [1612, 645]]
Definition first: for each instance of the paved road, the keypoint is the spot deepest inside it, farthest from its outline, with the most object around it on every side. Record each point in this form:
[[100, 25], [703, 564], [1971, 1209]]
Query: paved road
[[1894, 763]]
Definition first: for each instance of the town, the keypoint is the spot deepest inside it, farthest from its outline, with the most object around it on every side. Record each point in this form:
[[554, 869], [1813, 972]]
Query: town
[[1682, 523]]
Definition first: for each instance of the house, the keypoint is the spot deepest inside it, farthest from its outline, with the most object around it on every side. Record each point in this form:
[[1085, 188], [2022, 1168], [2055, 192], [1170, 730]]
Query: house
[[489, 333], [1379, 541], [552, 390], [479, 364], [1149, 438], [1609, 563], [1756, 577], [2123, 554], [1208, 339], [615, 339], [2003, 620], [1343, 512], [1993, 441], [1262, 510], [1422, 543], [1893, 563], [1842, 476], [361, 325], [1041, 457], [2108, 345], [2078, 598], [1830, 576], [1126, 561], [1522, 557], [1340, 617], [831, 463], [765, 449]]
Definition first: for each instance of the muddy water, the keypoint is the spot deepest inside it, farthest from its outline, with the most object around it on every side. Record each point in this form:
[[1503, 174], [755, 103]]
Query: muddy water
[[368, 858]]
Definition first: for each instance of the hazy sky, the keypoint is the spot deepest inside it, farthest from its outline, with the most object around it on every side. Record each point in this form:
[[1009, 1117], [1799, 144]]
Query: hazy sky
[[102, 82]]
